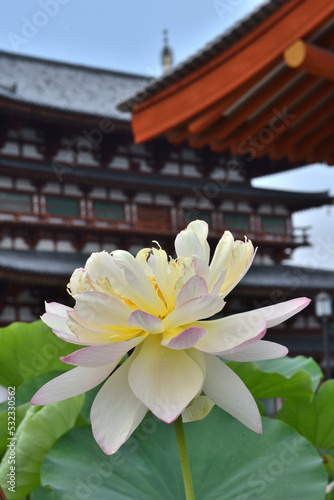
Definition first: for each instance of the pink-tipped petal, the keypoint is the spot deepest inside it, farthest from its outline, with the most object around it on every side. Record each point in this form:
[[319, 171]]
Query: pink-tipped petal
[[101, 355], [194, 287], [69, 337], [186, 339], [164, 380], [116, 412], [147, 322], [228, 391], [230, 334], [278, 313], [195, 309], [71, 384], [262, 349], [56, 318], [58, 309], [59, 327]]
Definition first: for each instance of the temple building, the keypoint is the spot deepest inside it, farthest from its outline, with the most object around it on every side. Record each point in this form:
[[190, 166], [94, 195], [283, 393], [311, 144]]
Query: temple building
[[77, 176]]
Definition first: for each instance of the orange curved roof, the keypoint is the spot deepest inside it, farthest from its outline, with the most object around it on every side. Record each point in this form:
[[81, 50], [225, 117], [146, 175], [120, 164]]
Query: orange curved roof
[[270, 92]]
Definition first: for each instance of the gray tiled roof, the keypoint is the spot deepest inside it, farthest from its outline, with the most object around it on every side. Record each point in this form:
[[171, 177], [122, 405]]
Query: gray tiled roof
[[44, 263], [287, 277], [61, 264], [65, 86]]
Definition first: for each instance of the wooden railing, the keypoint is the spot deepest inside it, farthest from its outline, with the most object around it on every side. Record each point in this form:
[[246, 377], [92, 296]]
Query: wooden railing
[[150, 226]]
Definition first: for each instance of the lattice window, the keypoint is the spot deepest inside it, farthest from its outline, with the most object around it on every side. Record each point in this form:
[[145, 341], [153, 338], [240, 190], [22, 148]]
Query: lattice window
[[15, 202], [273, 225], [238, 222], [110, 211], [62, 206], [190, 215]]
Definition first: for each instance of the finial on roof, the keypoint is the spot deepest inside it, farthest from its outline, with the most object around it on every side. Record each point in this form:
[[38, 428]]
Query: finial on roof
[[166, 53]]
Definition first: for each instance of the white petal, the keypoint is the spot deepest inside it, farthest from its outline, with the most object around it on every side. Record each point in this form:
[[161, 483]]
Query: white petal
[[101, 355], [197, 410], [222, 257], [165, 380], [100, 266], [80, 282], [187, 244], [89, 334], [199, 358], [201, 228], [71, 384], [202, 268], [147, 322], [195, 309], [116, 412], [146, 296], [166, 275], [242, 257], [194, 287], [278, 313], [142, 257], [228, 391], [186, 339], [115, 271], [230, 334], [99, 308], [219, 283], [262, 349]]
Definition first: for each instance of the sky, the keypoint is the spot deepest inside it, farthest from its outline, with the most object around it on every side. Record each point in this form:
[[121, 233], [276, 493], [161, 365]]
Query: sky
[[127, 36]]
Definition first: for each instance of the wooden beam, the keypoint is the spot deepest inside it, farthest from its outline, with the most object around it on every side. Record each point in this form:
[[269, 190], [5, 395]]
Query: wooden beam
[[178, 135], [181, 101], [260, 144], [196, 142], [324, 151], [270, 114], [291, 137], [227, 125], [311, 140], [273, 115], [214, 113], [315, 155], [306, 57]]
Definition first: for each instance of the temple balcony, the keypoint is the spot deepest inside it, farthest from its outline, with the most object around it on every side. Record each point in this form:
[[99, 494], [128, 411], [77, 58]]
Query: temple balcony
[[273, 232]]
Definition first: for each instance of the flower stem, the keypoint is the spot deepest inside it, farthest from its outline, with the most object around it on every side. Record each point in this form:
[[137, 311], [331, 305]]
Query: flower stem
[[184, 459]]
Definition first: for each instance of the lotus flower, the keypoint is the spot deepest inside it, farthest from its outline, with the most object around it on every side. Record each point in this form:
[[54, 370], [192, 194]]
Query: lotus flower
[[158, 308]]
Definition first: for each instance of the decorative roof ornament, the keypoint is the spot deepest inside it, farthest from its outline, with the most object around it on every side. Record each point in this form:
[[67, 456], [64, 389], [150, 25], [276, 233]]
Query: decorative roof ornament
[[166, 54]]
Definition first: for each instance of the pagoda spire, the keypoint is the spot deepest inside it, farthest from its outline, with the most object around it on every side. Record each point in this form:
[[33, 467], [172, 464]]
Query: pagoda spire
[[166, 53]]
